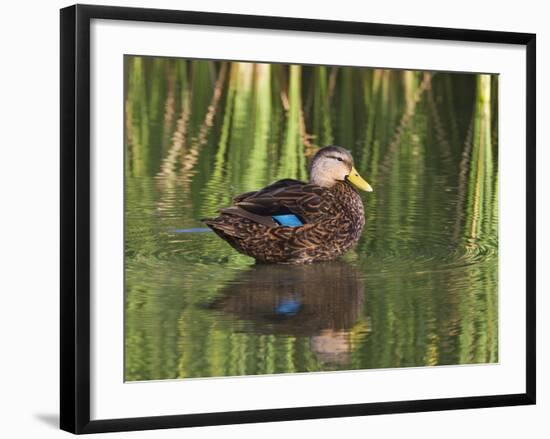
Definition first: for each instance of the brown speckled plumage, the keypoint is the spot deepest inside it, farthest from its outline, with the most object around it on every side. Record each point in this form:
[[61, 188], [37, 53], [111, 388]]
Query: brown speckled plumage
[[333, 219]]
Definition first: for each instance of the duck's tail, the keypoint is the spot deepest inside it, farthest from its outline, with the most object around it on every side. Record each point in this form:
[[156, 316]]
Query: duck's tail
[[222, 227], [235, 221]]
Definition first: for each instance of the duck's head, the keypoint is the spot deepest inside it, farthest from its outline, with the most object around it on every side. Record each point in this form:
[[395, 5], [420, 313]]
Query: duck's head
[[332, 164]]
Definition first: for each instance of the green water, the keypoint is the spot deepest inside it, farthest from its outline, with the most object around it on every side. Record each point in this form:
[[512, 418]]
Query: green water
[[420, 288]]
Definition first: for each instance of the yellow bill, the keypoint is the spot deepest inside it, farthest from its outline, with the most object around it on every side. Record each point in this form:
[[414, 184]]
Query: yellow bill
[[355, 179]]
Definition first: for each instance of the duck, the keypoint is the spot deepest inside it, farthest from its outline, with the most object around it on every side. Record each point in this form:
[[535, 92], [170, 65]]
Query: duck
[[296, 222]]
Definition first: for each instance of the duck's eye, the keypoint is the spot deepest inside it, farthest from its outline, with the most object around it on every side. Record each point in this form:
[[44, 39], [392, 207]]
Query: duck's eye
[[339, 159]]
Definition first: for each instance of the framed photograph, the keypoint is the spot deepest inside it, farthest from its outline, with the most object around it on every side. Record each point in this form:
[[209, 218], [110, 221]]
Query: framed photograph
[[275, 218]]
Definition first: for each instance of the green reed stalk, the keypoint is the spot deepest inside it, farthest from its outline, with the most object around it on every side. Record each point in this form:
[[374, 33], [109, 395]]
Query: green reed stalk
[[321, 121], [255, 174], [292, 162], [138, 118]]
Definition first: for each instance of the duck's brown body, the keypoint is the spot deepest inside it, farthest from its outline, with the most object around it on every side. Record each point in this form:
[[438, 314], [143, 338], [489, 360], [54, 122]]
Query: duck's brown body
[[333, 219]]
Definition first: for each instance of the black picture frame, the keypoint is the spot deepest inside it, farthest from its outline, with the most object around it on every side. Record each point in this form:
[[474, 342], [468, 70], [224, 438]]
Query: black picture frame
[[75, 217]]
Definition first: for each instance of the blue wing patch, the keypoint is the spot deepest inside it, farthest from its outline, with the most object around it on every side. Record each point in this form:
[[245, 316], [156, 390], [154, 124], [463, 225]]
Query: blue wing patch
[[288, 307], [289, 220]]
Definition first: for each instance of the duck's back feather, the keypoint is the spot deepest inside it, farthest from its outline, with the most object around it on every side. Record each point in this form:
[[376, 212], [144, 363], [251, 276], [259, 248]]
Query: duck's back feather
[[308, 202], [272, 187]]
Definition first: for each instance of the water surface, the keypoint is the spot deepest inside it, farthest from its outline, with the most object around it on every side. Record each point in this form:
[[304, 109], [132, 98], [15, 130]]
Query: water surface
[[420, 288]]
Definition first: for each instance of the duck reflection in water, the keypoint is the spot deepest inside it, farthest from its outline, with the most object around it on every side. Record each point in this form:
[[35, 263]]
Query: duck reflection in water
[[323, 301]]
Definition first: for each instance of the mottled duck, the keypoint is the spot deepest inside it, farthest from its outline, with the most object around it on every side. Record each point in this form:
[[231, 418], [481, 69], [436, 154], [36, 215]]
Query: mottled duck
[[293, 222]]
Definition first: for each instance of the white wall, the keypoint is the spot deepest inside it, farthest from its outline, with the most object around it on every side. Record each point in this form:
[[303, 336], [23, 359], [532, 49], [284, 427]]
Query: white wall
[[29, 217]]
